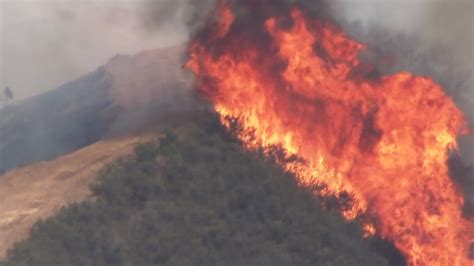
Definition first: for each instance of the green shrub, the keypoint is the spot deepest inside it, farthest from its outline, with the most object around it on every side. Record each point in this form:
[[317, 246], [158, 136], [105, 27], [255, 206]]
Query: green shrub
[[205, 202]]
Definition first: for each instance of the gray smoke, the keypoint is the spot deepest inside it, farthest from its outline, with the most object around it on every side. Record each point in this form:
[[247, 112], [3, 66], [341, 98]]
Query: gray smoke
[[191, 13]]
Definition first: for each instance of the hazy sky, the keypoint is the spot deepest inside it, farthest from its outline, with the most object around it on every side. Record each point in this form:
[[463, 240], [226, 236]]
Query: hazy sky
[[45, 43]]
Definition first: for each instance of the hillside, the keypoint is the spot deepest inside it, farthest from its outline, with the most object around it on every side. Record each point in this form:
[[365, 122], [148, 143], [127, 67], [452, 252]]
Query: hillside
[[126, 94], [62, 138], [37, 191], [195, 197]]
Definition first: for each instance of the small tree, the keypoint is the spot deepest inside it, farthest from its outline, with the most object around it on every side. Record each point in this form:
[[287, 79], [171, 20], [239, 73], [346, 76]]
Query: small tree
[[8, 94]]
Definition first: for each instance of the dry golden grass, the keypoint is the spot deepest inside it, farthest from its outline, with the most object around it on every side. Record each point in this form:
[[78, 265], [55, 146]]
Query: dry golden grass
[[37, 191]]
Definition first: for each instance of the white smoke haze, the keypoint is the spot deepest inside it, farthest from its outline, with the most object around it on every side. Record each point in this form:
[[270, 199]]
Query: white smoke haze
[[45, 43]]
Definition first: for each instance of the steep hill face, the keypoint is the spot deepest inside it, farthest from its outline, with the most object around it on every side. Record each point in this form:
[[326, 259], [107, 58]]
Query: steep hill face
[[126, 94], [195, 196]]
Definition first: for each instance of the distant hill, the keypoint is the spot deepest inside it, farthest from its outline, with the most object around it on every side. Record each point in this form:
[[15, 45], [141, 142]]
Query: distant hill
[[126, 94]]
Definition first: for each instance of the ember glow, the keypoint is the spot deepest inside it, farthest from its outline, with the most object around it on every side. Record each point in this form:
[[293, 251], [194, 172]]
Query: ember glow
[[297, 83]]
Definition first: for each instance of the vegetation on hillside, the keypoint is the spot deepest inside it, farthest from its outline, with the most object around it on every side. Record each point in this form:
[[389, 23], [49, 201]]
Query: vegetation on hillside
[[195, 197]]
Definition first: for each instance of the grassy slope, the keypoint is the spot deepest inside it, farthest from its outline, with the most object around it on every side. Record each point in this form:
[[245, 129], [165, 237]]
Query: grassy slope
[[37, 191], [194, 197]]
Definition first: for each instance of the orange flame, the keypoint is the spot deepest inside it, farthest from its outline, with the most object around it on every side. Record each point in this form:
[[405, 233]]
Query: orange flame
[[385, 141]]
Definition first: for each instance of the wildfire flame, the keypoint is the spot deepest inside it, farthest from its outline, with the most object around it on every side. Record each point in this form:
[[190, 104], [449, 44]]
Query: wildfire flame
[[300, 85]]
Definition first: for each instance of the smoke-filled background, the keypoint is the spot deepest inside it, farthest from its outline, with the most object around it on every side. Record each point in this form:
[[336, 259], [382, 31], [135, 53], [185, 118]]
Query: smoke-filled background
[[45, 43]]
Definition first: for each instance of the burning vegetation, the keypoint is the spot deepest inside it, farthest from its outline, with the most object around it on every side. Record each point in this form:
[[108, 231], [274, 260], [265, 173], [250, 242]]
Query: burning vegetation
[[297, 83]]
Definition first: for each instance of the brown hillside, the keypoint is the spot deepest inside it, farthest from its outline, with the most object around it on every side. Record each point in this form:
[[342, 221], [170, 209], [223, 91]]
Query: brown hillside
[[37, 191]]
